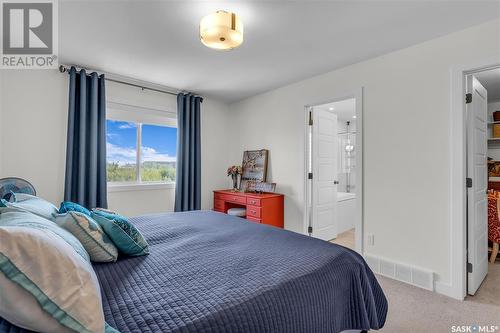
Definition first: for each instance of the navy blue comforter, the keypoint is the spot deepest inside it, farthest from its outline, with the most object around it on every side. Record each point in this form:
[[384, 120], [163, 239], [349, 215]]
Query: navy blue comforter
[[209, 272]]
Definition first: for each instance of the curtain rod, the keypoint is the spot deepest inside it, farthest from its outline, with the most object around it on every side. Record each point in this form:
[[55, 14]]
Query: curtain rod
[[123, 80]]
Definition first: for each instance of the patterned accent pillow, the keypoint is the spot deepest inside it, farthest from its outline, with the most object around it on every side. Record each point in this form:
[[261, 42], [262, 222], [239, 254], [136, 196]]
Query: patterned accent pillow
[[46, 284], [126, 237], [32, 204], [68, 206], [90, 234], [493, 193]]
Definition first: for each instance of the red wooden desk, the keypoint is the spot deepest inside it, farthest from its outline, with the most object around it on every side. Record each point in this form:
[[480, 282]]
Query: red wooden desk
[[267, 208]]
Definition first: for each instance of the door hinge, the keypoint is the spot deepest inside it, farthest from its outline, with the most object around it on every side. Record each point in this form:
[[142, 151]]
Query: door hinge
[[469, 267], [310, 175], [468, 182], [310, 118], [310, 230], [468, 98]]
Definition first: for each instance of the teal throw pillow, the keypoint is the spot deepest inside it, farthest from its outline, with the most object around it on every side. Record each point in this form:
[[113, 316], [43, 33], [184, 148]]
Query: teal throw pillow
[[124, 235], [68, 206]]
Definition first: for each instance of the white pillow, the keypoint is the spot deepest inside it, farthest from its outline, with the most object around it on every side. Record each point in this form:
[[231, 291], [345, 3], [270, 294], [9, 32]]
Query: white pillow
[[47, 283], [33, 204]]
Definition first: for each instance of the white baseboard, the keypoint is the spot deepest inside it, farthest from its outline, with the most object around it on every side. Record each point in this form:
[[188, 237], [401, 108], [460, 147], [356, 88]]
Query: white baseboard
[[443, 288], [416, 276], [447, 290]]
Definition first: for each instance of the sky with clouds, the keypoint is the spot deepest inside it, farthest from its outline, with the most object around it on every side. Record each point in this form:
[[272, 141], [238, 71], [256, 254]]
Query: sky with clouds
[[159, 143]]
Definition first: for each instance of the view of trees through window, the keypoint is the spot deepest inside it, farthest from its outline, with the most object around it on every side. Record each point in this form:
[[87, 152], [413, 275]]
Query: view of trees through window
[[156, 157]]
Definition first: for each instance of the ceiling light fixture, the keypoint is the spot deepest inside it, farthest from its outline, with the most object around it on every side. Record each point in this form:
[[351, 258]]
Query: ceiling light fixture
[[331, 109], [221, 30]]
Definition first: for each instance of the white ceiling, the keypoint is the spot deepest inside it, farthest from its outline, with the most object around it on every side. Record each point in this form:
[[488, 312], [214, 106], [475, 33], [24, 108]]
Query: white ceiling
[[491, 81], [157, 41]]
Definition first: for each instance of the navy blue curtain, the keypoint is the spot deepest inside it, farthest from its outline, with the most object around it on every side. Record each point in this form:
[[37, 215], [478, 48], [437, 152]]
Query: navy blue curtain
[[188, 173], [85, 181]]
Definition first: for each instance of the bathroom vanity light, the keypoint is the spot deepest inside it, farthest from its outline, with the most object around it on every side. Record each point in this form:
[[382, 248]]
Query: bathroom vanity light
[[221, 30]]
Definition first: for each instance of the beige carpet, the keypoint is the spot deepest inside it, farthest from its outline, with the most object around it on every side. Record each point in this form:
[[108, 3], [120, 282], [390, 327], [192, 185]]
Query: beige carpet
[[415, 310], [345, 239]]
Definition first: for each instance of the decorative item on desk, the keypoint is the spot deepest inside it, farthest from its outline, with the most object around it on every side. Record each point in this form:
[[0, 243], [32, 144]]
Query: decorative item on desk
[[259, 187], [234, 171], [254, 167]]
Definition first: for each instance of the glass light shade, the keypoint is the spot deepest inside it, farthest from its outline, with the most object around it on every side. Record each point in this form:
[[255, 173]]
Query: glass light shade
[[221, 30]]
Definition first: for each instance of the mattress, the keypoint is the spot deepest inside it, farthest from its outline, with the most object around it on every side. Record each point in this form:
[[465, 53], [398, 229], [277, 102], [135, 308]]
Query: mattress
[[210, 272]]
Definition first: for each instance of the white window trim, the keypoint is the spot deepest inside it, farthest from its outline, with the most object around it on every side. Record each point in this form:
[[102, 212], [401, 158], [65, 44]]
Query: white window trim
[[125, 187], [139, 116]]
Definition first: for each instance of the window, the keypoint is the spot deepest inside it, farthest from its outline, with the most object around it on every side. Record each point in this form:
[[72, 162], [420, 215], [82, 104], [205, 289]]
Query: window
[[140, 153], [158, 153]]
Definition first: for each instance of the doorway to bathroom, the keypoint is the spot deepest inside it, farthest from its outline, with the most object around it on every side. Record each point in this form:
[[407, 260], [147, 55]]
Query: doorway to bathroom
[[334, 171], [482, 105]]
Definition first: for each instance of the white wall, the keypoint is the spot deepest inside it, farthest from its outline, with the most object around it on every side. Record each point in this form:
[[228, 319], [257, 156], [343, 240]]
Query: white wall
[[406, 142], [34, 120], [33, 137]]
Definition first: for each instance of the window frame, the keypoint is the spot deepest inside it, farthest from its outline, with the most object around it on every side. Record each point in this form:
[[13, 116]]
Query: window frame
[[139, 116]]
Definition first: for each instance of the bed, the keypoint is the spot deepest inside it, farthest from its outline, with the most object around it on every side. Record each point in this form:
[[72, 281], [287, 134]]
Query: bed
[[210, 272]]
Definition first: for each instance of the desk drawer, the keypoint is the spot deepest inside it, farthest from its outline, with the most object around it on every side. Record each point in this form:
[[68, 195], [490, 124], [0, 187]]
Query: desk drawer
[[253, 211], [218, 204], [234, 199], [253, 219], [253, 201]]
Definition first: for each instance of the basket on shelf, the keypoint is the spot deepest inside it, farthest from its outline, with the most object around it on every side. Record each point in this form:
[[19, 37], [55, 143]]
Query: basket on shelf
[[496, 130], [493, 168], [496, 116]]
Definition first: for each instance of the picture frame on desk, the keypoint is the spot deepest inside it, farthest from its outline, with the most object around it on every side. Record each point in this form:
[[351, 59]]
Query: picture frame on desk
[[254, 167], [260, 187]]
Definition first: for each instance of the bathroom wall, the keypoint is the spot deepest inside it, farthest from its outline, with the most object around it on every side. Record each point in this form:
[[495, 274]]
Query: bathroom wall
[[342, 176]]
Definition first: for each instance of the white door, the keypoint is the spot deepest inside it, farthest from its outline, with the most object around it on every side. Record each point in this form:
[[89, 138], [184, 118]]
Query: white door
[[324, 167], [477, 201]]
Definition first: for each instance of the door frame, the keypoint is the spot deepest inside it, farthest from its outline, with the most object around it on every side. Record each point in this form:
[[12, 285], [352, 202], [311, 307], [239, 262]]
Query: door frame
[[456, 287], [474, 193], [357, 94]]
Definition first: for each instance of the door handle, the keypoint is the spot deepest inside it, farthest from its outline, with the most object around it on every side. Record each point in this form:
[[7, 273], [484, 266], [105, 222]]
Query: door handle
[[335, 182]]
